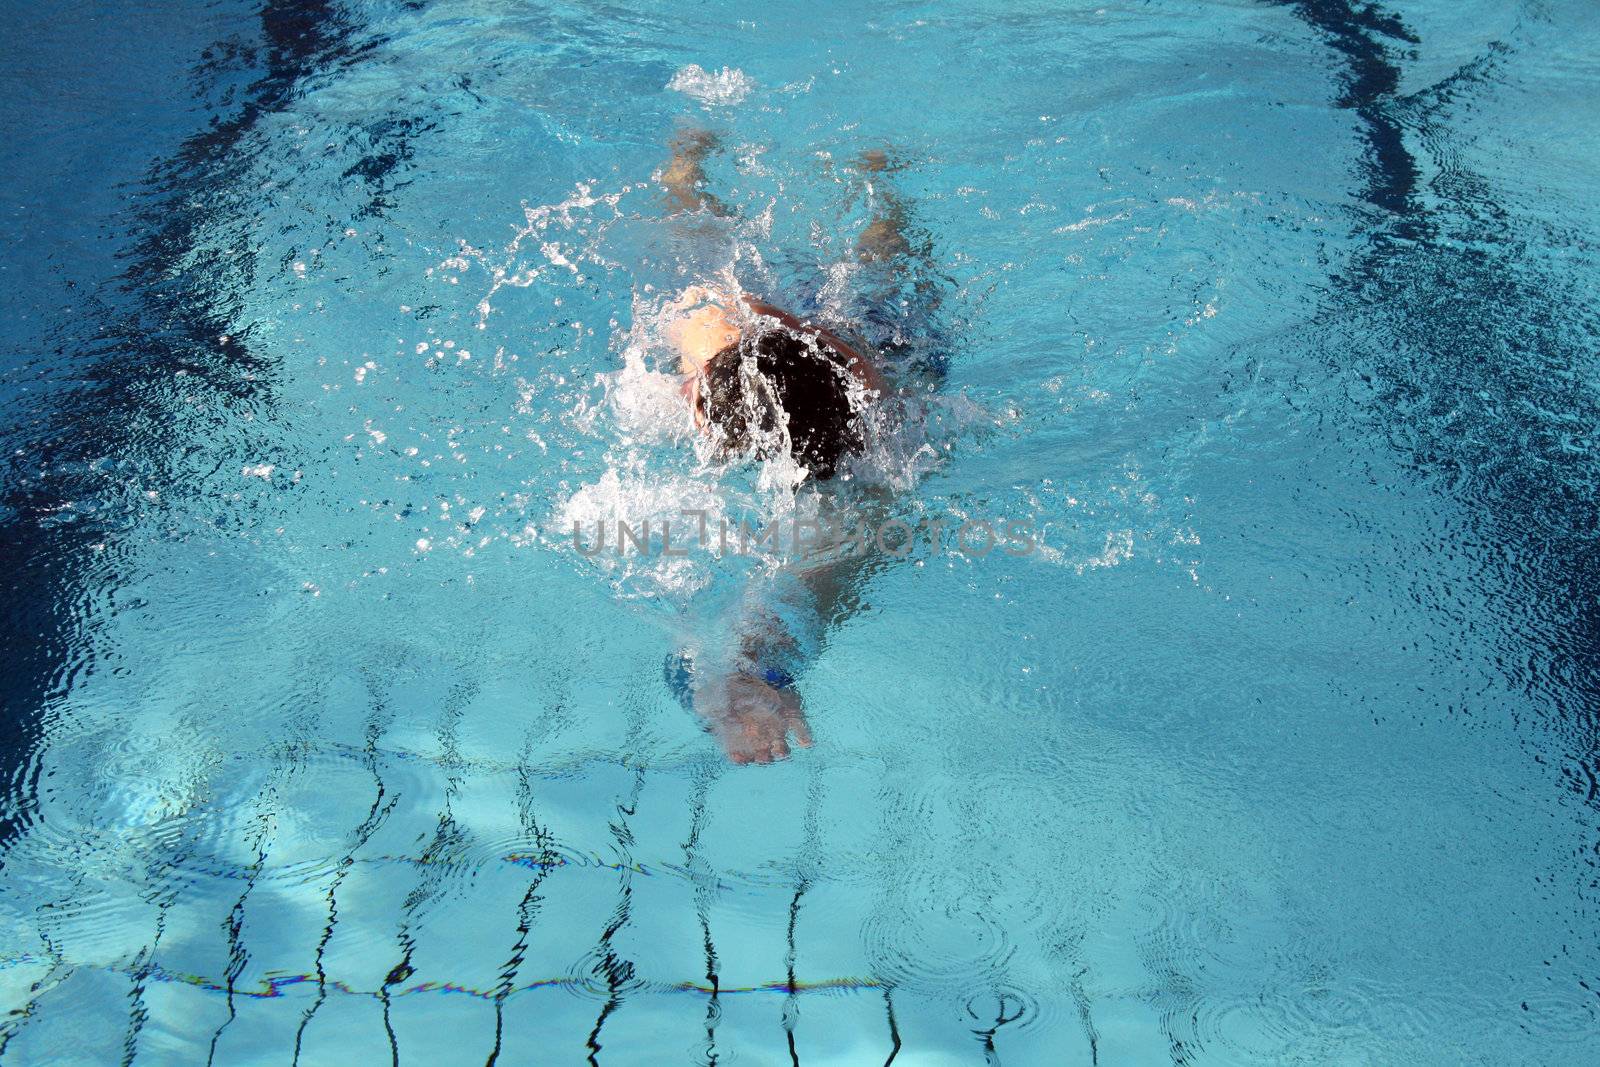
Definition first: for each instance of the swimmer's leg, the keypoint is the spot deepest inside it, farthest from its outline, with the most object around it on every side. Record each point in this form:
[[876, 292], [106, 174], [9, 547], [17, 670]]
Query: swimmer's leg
[[902, 285], [884, 240], [684, 177]]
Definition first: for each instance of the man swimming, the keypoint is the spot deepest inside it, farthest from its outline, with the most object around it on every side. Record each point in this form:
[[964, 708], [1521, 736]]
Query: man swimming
[[758, 380], [753, 371]]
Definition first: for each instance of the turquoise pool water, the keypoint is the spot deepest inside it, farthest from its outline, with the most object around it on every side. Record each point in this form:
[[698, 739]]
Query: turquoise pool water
[[323, 744]]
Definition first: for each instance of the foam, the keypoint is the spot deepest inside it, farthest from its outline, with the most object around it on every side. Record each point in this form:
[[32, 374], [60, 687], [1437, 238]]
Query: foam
[[724, 88]]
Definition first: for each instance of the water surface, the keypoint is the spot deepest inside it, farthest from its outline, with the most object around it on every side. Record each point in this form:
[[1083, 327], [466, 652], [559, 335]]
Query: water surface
[[322, 745]]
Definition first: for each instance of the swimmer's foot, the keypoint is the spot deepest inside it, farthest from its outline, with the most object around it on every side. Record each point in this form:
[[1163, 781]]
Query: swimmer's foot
[[684, 176], [693, 144], [884, 238], [873, 161]]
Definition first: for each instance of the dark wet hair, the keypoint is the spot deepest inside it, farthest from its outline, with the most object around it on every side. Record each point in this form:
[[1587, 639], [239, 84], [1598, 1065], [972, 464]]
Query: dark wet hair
[[748, 383]]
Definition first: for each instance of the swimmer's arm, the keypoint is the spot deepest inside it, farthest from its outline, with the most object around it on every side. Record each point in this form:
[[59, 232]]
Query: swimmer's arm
[[751, 718], [746, 695], [751, 706]]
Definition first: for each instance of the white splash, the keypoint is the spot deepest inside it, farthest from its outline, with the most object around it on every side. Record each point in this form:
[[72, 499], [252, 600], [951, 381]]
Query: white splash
[[1119, 547], [506, 266], [648, 406], [636, 498], [725, 88]]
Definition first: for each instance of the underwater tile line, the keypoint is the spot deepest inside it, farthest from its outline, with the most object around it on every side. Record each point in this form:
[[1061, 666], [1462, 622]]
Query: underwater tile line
[[274, 988]]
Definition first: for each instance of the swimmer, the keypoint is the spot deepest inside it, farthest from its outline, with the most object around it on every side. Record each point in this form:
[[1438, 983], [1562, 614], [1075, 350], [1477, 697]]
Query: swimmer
[[754, 375], [748, 365]]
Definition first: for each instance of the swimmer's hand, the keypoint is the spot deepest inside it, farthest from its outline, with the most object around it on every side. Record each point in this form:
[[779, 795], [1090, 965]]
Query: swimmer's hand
[[751, 718]]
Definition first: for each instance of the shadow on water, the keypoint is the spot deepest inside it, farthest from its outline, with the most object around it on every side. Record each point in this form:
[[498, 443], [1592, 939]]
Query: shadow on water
[[1470, 351], [170, 308], [171, 305]]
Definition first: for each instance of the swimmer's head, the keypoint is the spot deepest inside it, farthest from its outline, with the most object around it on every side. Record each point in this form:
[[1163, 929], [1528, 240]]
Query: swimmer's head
[[748, 384]]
